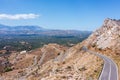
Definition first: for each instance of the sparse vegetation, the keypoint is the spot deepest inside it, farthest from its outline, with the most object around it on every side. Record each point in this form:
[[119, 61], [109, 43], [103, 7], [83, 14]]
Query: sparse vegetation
[[63, 77], [68, 68], [58, 54], [94, 45], [7, 69], [99, 49], [63, 62]]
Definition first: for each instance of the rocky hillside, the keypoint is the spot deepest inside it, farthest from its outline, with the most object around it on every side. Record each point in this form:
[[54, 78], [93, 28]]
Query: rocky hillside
[[55, 62], [107, 36], [25, 61], [106, 40], [52, 62]]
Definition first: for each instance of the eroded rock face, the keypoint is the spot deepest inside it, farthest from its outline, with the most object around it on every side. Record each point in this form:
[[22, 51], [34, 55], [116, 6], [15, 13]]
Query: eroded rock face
[[24, 64], [58, 63], [108, 36]]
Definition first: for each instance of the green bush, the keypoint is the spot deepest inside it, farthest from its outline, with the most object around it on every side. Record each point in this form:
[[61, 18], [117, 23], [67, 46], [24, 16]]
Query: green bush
[[7, 69]]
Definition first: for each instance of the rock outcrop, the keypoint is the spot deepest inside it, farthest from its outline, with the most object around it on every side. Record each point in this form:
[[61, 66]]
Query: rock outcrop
[[107, 36]]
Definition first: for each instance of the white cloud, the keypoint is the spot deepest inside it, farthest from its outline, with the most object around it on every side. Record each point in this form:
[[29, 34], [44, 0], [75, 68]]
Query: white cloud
[[18, 16]]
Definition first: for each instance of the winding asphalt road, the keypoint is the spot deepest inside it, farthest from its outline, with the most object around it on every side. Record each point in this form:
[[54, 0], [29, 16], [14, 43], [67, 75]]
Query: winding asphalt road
[[110, 69]]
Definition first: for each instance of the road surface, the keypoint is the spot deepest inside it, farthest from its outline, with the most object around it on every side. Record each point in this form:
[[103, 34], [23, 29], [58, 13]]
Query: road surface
[[110, 69]]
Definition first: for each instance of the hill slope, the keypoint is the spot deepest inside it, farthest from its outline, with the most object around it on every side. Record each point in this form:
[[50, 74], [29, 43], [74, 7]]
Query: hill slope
[[106, 40], [73, 63]]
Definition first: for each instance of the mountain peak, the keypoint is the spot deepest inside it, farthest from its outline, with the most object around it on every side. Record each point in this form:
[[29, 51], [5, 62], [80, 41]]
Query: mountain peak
[[111, 22]]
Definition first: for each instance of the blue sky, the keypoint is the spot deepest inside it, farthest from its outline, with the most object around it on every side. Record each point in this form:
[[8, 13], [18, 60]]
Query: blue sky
[[59, 14]]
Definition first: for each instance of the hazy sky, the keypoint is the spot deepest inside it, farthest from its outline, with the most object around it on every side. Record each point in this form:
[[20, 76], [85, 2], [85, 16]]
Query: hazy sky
[[59, 14]]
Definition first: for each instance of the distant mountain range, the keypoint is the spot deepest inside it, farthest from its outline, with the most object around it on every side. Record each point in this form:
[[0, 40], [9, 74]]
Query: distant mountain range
[[38, 30]]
